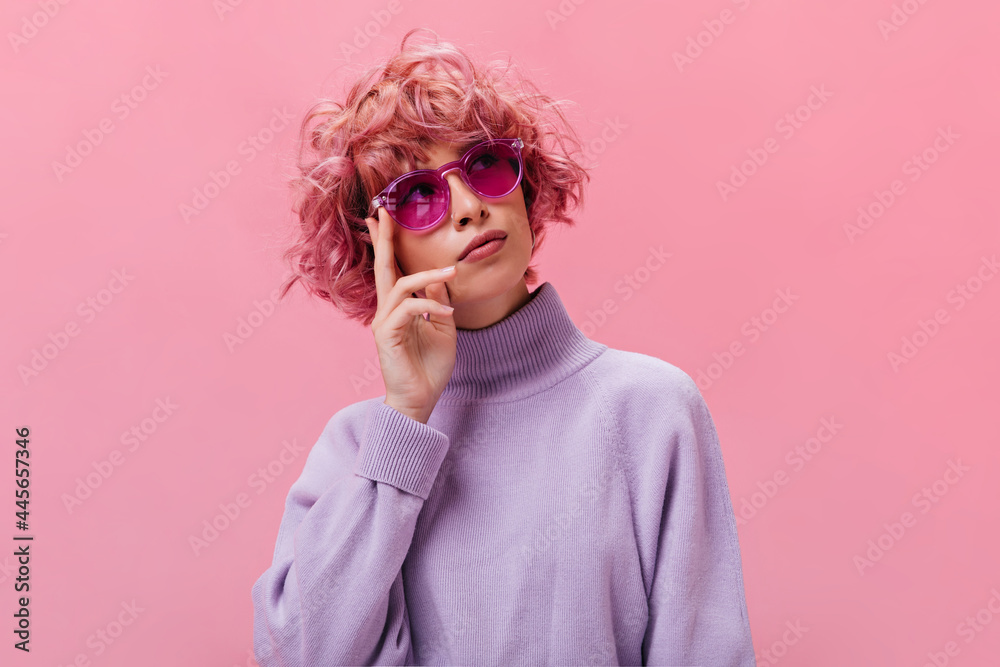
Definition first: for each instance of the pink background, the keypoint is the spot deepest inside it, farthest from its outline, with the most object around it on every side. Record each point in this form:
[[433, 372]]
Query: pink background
[[670, 134]]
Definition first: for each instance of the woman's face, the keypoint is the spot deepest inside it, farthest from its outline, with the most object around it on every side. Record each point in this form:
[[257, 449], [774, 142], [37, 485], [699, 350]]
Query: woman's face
[[489, 287]]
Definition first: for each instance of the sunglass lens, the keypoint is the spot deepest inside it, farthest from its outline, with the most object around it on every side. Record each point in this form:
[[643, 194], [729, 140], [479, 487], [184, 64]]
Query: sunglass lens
[[417, 202], [494, 170]]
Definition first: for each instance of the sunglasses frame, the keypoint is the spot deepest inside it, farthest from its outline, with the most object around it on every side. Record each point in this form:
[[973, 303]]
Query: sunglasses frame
[[381, 199]]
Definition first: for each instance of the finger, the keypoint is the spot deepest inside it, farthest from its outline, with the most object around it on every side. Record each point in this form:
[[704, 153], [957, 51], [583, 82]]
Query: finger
[[403, 314], [439, 292], [385, 269], [377, 263], [416, 284], [388, 230], [389, 285]]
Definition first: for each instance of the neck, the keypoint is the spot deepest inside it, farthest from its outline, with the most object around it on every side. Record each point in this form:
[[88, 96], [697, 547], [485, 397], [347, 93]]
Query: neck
[[527, 352], [481, 314]]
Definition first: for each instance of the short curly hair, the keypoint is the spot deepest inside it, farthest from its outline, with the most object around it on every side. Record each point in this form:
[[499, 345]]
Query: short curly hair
[[349, 152]]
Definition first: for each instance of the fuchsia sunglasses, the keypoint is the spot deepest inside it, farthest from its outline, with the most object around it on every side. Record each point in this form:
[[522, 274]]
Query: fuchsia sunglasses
[[419, 200]]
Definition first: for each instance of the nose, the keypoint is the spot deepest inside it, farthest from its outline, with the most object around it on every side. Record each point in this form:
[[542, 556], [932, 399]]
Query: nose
[[465, 203]]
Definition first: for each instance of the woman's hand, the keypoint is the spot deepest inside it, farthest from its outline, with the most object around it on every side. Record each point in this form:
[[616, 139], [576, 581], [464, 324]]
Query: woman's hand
[[417, 356]]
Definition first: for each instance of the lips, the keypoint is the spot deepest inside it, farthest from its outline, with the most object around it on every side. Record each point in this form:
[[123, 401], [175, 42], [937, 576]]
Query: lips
[[482, 239]]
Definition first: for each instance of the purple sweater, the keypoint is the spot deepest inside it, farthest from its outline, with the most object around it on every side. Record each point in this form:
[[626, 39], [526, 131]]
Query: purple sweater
[[565, 504]]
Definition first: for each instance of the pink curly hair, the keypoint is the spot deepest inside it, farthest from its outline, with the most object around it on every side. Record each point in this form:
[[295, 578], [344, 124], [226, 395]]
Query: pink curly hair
[[349, 152]]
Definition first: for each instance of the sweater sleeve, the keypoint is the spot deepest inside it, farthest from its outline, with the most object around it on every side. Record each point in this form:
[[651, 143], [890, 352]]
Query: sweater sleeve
[[334, 592], [697, 603]]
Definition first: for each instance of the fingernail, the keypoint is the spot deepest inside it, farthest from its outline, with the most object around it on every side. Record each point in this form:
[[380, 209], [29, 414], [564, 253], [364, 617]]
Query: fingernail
[[448, 269]]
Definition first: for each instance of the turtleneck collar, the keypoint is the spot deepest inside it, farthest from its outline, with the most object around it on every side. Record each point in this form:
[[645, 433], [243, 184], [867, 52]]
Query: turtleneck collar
[[530, 350]]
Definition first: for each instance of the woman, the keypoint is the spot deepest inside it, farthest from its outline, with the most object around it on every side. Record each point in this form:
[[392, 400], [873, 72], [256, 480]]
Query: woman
[[521, 494]]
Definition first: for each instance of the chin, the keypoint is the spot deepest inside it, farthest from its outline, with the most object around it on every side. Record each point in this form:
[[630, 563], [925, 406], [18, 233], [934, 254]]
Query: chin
[[494, 282]]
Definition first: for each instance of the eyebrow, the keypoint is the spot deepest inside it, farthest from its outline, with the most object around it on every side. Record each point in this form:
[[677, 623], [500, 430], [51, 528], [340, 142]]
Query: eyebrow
[[462, 150]]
